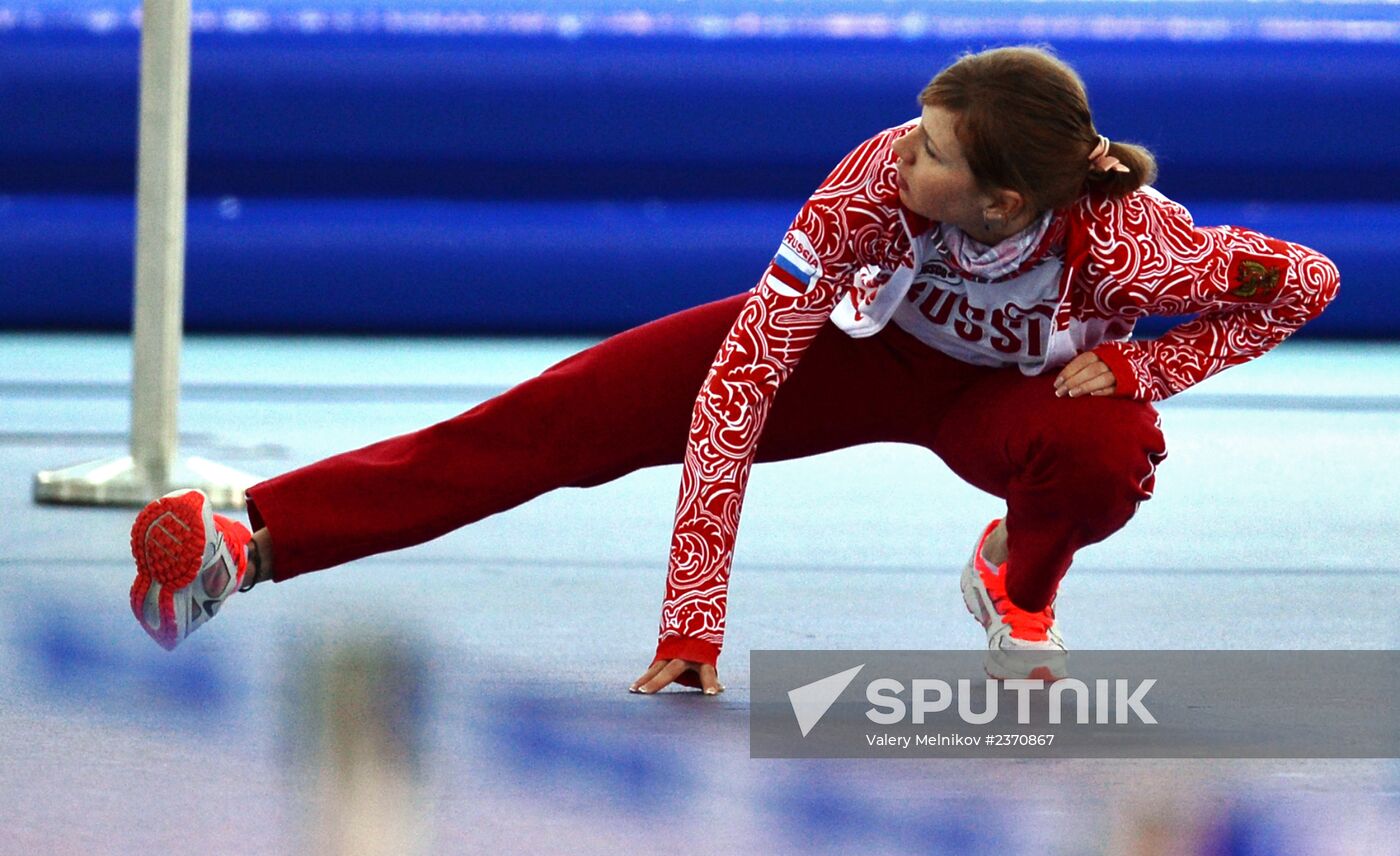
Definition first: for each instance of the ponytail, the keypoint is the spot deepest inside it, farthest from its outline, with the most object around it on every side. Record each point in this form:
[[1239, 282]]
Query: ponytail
[[1142, 169]]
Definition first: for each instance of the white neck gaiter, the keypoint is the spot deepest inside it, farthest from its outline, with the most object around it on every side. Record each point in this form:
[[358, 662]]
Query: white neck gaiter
[[997, 260]]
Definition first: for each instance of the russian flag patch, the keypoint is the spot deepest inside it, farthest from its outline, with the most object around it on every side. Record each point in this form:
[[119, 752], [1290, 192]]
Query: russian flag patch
[[795, 268]]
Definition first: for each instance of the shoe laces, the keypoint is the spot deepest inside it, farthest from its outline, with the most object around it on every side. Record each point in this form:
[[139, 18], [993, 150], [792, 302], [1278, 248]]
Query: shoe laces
[[1031, 626]]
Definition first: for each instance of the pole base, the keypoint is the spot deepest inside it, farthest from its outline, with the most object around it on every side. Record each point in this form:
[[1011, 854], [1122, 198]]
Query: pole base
[[118, 481]]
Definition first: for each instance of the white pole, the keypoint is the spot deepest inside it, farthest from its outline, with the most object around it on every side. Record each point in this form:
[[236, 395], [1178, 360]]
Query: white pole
[[153, 467], [158, 316]]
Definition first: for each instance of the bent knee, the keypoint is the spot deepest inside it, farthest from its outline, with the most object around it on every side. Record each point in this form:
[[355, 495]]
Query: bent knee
[[1116, 450]]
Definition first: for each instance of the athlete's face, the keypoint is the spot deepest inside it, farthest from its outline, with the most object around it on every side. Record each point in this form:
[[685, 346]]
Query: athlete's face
[[934, 178]]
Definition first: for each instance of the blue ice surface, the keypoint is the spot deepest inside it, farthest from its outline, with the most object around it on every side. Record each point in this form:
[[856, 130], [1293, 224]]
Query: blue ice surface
[[1272, 528]]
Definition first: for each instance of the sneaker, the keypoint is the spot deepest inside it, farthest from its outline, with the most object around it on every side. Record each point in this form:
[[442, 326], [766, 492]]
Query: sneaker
[[1020, 644], [189, 560]]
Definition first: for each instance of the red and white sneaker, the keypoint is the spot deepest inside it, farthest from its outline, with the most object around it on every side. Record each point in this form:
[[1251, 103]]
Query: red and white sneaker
[[1020, 644], [189, 560]]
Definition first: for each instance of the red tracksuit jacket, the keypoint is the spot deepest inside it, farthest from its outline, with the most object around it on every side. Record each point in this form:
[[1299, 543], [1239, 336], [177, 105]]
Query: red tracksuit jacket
[[850, 256]]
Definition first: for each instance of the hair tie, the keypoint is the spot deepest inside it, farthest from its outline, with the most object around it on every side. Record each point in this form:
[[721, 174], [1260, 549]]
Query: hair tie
[[1101, 161]]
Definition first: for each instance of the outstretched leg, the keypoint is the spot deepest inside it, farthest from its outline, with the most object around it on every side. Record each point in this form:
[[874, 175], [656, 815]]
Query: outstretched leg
[[619, 406], [605, 411]]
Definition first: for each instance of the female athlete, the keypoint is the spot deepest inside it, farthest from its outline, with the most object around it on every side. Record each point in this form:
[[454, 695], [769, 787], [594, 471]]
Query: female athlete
[[967, 281]]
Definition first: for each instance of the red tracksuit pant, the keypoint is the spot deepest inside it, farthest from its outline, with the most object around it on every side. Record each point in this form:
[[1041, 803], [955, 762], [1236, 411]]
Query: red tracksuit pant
[[1072, 471]]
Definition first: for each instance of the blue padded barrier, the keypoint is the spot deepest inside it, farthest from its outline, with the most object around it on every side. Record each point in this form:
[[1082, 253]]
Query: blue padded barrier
[[1235, 105], [260, 265], [393, 158]]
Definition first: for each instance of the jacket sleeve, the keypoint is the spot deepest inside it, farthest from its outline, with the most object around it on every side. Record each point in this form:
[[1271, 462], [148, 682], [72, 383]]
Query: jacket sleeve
[[1247, 291], [813, 269]]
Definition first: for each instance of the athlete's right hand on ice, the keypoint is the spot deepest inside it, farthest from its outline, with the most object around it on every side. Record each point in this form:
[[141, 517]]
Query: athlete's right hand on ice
[[663, 672]]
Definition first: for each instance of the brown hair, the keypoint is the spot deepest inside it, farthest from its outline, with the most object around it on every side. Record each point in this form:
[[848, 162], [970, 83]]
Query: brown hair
[[1023, 123]]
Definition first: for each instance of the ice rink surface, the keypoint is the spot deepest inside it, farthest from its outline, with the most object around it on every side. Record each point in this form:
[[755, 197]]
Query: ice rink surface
[[1274, 527]]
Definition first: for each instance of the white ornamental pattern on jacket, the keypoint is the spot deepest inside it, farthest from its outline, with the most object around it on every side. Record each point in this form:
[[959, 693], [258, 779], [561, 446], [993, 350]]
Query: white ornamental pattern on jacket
[[1148, 258], [843, 222]]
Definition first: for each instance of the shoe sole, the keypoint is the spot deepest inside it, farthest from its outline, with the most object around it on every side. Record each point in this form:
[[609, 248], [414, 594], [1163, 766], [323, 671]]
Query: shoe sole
[[1049, 666], [168, 542], [169, 537]]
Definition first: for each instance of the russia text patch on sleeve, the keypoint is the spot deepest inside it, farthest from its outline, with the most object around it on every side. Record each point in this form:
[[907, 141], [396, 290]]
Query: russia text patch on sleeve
[[796, 268]]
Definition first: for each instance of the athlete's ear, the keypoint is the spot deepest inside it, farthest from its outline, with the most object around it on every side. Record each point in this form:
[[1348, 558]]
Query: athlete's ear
[[1004, 205]]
